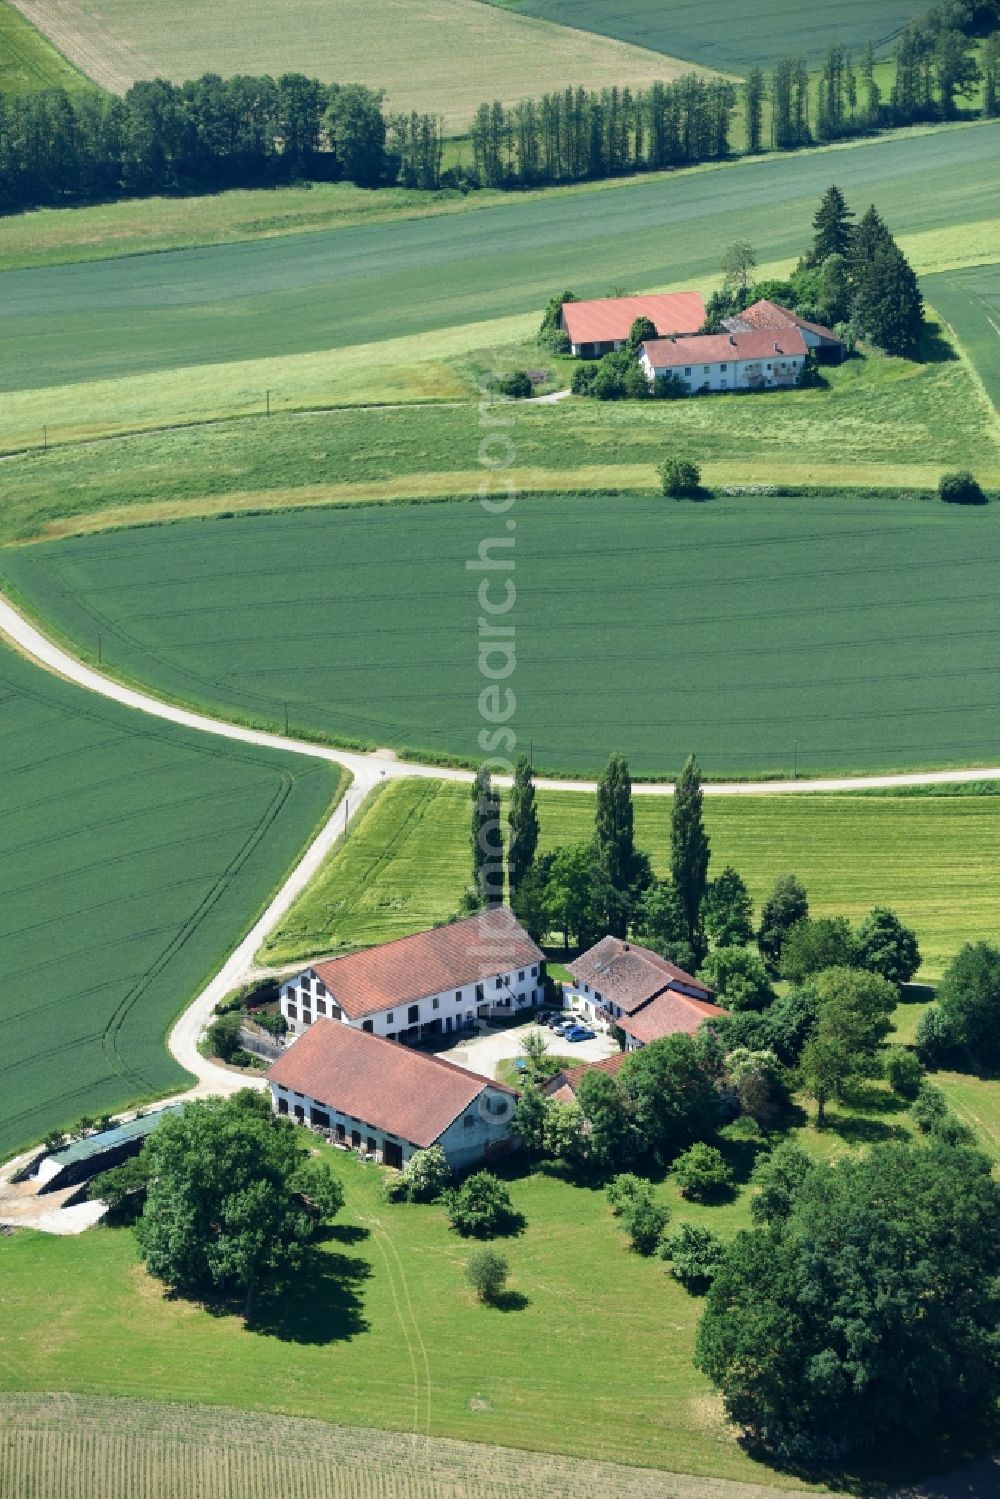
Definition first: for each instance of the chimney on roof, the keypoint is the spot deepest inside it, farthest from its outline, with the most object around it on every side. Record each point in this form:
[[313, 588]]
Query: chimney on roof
[[732, 339], [777, 349], [624, 947]]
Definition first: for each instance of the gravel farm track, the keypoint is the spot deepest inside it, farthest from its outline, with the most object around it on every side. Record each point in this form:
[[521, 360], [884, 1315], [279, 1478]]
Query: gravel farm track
[[366, 771]]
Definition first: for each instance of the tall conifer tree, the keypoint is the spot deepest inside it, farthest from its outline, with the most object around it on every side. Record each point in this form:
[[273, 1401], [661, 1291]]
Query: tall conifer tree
[[522, 819], [689, 849]]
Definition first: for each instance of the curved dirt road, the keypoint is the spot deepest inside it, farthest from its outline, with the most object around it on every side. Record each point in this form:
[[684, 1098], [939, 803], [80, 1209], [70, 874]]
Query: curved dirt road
[[366, 771]]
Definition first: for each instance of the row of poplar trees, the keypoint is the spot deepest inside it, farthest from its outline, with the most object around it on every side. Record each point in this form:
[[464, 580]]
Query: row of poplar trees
[[600, 885]]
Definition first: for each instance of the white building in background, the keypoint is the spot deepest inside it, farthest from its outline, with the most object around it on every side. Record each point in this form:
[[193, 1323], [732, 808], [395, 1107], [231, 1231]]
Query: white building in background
[[431, 984], [758, 360]]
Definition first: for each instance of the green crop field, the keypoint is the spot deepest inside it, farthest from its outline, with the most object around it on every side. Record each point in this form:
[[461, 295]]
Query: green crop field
[[970, 302], [307, 293], [28, 62], [721, 35], [133, 857], [931, 858], [861, 630], [445, 57], [77, 1447]]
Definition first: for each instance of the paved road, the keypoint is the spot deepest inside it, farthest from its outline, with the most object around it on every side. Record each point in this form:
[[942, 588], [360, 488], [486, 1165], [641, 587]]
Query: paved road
[[366, 771]]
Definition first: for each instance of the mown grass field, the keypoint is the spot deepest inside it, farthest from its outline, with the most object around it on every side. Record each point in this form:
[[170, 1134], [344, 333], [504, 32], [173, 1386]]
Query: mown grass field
[[721, 35], [28, 61], [133, 856], [932, 858], [381, 1329], [79, 1446], [861, 630], [891, 423], [312, 294], [970, 302], [444, 58]]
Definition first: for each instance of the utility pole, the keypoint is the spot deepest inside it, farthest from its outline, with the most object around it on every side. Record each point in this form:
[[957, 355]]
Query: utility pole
[[795, 769], [268, 398], [286, 718]]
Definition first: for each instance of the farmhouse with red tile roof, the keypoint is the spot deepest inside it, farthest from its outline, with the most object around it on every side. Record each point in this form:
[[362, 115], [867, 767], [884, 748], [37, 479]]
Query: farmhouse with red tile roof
[[389, 1100], [431, 984], [768, 317], [756, 360], [600, 327], [563, 1085], [642, 994]]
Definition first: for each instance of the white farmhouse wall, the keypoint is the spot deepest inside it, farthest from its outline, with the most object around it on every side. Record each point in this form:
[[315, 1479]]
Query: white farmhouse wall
[[477, 1132], [732, 374], [304, 998]]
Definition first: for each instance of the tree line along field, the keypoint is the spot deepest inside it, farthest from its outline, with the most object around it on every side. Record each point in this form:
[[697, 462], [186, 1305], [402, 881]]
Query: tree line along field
[[844, 632], [272, 298], [446, 57], [930, 857], [969, 301], [133, 855], [28, 62], [69, 1447], [721, 35]]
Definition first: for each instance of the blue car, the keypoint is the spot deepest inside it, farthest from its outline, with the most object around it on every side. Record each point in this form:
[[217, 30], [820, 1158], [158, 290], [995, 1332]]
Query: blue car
[[577, 1033]]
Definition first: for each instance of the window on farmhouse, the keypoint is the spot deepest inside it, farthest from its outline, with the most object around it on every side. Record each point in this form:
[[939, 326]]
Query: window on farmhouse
[[306, 984], [723, 366], [534, 971], [687, 369], [388, 1017], [479, 991], [320, 1006], [413, 1014], [458, 996], [293, 1013], [498, 983], [307, 1017], [435, 1003], [367, 1025], [469, 1121]]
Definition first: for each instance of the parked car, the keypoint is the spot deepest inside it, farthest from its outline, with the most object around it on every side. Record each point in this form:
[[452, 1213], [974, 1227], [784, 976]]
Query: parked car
[[577, 1033]]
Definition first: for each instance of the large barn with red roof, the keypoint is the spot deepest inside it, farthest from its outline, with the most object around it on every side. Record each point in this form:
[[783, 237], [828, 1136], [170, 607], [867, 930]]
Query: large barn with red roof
[[431, 984], [600, 327], [388, 1100]]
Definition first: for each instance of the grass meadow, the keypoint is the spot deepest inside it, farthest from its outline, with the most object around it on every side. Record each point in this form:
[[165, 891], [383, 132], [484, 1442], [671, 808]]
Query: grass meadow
[[381, 1329], [28, 61], [79, 1446], [859, 629], [133, 856], [931, 858], [890, 422], [969, 301], [718, 36], [444, 58], [77, 336]]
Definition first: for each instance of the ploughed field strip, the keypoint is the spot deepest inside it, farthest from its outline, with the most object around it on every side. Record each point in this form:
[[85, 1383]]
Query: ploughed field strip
[[74, 1445], [970, 302], [721, 35], [133, 856], [831, 633], [329, 290], [930, 857], [393, 45]]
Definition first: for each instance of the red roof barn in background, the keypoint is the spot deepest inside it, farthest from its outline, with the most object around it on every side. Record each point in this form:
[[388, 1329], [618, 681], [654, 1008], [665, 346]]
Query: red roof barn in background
[[596, 328]]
